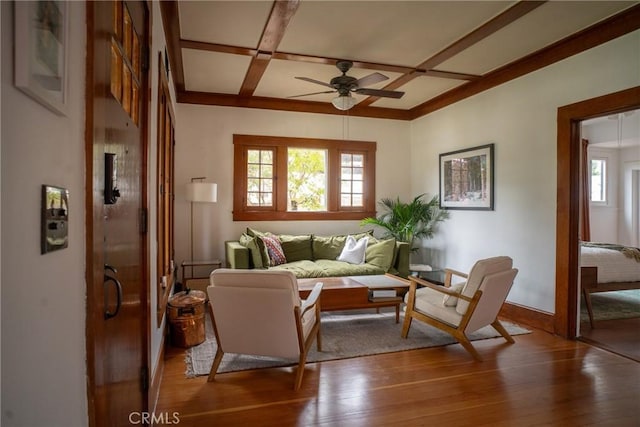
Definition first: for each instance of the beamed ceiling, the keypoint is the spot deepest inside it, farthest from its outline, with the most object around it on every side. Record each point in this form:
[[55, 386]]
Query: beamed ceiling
[[248, 53]]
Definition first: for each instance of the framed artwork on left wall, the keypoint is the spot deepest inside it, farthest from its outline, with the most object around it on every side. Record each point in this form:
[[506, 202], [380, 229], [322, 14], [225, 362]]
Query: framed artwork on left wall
[[41, 35]]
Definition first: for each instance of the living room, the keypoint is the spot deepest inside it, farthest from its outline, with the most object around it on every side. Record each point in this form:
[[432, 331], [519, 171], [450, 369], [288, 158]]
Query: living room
[[519, 117]]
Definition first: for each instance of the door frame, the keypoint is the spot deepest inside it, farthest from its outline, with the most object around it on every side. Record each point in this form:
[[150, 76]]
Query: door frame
[[568, 198]]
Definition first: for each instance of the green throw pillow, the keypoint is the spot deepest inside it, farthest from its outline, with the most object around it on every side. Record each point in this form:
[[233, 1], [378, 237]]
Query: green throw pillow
[[296, 248], [257, 249], [381, 254], [255, 233]]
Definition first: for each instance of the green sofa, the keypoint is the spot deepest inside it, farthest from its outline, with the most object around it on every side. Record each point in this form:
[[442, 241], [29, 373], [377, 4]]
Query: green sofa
[[315, 256]]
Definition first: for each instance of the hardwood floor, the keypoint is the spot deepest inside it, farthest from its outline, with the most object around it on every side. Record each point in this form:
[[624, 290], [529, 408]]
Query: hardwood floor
[[621, 336], [540, 380]]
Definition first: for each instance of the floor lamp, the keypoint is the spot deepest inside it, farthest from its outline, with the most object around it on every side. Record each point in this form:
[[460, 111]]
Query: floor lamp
[[198, 191]]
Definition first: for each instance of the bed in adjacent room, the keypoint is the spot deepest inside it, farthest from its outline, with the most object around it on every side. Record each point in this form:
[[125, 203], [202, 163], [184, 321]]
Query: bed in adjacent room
[[607, 267]]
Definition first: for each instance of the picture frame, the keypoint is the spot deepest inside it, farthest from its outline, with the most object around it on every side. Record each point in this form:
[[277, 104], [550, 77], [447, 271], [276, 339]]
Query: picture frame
[[41, 35], [54, 219], [467, 177]]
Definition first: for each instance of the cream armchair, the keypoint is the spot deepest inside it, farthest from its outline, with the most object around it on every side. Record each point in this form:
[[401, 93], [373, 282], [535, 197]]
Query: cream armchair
[[463, 307], [260, 312]]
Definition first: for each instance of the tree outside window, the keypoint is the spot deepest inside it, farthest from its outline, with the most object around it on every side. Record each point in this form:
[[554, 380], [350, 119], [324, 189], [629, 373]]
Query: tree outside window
[[279, 178]]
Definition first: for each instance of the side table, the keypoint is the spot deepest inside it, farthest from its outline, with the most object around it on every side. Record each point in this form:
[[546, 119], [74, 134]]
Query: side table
[[434, 276], [192, 281]]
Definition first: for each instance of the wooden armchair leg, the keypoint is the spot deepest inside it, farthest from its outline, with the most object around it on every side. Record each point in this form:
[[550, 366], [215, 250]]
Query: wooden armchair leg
[[300, 371], [462, 339], [498, 327], [406, 324], [216, 363]]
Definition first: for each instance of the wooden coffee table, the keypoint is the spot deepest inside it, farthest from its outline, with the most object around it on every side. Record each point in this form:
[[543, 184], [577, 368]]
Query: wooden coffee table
[[350, 293]]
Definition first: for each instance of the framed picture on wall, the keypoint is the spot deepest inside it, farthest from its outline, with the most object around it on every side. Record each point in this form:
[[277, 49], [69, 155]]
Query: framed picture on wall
[[41, 31], [466, 178]]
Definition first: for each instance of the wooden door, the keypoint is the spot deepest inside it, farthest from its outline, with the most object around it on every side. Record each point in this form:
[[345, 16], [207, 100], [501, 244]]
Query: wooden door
[[117, 264]]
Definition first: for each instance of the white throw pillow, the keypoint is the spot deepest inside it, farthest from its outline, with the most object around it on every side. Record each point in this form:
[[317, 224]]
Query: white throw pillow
[[449, 300], [354, 250]]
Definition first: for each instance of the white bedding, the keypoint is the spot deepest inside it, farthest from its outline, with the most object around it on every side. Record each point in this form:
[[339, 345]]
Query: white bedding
[[613, 266]]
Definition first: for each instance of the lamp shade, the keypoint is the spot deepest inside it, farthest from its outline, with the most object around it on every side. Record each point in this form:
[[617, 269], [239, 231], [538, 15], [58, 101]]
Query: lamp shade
[[204, 192], [343, 102]]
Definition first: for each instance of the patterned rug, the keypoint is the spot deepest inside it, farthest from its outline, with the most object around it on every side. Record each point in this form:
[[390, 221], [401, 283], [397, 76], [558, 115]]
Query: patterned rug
[[344, 335], [612, 305]]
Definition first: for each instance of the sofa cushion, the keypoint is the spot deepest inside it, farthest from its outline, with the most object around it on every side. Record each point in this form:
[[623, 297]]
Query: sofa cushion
[[353, 251], [296, 248], [255, 233], [274, 249], [257, 250], [330, 247], [302, 269], [327, 268], [335, 268], [381, 254]]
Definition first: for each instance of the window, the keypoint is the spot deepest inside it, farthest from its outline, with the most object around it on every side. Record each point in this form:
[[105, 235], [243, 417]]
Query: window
[[165, 191], [279, 178], [599, 180]]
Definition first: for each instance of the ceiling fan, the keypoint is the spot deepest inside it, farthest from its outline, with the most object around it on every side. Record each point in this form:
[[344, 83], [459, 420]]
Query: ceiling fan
[[345, 85]]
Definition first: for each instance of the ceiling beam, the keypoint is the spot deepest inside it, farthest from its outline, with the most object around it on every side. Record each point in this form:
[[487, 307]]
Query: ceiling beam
[[285, 56], [595, 35], [171, 24], [281, 13], [510, 15], [226, 100]]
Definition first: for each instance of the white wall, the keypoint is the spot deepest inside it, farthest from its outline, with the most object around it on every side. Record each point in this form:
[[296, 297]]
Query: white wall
[[43, 296], [520, 118], [204, 147]]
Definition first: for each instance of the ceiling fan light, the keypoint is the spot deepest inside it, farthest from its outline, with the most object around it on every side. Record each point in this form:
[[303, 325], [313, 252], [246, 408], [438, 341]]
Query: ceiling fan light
[[343, 102]]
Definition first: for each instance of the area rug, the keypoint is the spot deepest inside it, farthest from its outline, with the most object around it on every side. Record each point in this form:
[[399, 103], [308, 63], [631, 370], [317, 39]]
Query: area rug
[[344, 335], [612, 305]]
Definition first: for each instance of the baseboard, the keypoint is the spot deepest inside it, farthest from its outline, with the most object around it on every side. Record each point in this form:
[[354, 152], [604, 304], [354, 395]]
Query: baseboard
[[156, 378], [529, 316]]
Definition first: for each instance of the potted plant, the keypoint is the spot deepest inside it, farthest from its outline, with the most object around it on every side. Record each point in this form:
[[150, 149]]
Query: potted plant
[[408, 222]]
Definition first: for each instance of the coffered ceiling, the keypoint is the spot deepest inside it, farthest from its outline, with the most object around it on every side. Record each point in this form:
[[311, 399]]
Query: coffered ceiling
[[249, 53]]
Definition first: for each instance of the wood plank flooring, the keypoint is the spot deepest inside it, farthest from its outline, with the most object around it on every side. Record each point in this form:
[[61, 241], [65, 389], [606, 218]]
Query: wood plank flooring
[[541, 380], [621, 336]]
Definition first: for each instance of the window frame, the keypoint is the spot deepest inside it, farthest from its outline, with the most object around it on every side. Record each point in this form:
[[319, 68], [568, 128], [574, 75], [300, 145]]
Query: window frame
[[280, 146], [165, 192]]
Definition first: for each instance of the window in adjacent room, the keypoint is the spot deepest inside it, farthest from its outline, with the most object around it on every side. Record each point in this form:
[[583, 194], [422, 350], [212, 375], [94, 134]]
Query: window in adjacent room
[[599, 180], [277, 178]]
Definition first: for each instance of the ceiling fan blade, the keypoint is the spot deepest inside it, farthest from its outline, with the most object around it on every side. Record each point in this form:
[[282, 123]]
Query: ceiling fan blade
[[309, 94], [371, 79], [380, 92], [318, 82]]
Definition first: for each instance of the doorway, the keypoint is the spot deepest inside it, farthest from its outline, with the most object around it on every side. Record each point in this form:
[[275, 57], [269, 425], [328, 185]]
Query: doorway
[[568, 199], [613, 154]]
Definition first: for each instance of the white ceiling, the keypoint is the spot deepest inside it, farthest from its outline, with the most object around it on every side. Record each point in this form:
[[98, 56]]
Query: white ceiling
[[395, 33], [614, 131]]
